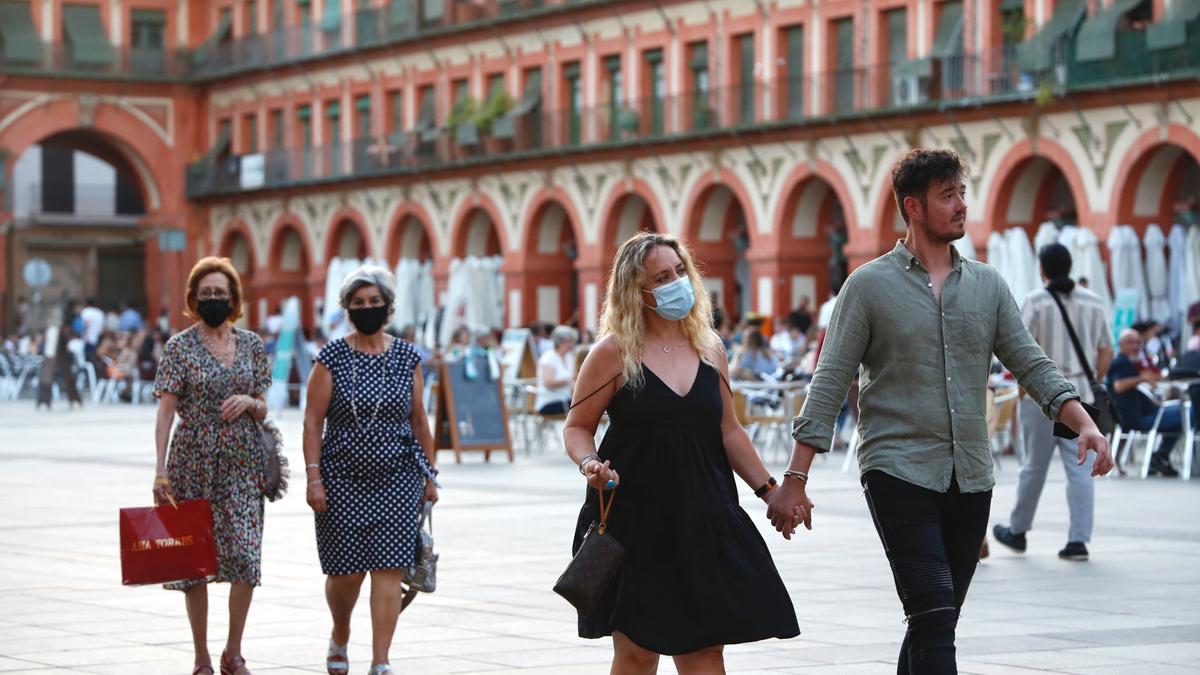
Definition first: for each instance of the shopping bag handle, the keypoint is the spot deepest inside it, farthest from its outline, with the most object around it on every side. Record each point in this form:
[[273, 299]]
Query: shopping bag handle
[[171, 498], [427, 516]]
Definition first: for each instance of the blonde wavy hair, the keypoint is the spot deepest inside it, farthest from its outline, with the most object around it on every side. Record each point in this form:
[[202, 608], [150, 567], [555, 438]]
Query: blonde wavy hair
[[622, 315]]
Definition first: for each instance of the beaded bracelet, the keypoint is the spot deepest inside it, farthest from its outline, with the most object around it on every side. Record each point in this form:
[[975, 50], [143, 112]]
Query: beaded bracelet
[[801, 475]]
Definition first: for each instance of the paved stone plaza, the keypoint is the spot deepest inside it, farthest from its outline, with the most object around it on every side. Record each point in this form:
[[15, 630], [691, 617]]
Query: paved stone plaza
[[503, 532]]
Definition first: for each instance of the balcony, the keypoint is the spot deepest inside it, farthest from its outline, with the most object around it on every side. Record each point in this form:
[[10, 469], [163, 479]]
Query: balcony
[[57, 59], [67, 203], [1166, 50], [92, 55], [525, 132], [366, 28]]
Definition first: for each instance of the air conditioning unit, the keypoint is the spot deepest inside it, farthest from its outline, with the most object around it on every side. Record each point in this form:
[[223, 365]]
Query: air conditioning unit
[[910, 89]]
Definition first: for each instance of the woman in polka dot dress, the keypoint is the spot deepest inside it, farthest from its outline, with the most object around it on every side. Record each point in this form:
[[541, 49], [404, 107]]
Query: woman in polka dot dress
[[370, 461]]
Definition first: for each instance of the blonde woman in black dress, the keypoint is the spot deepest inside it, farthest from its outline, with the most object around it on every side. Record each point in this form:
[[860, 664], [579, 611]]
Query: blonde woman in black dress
[[697, 575]]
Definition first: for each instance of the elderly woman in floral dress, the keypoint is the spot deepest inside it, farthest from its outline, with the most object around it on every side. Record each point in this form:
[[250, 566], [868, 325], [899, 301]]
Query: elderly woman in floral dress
[[213, 377]]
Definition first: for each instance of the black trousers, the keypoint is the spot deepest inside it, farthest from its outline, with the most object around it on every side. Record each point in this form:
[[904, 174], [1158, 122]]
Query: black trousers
[[932, 542]]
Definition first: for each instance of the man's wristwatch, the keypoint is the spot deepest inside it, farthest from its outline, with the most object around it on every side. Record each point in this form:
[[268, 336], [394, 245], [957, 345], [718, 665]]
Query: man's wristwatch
[[765, 488]]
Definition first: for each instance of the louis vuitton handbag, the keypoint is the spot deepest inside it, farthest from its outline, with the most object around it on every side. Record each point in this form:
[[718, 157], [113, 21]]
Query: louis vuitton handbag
[[595, 563]]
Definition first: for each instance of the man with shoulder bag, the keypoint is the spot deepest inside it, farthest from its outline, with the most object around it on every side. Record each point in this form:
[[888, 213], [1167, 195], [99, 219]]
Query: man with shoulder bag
[[1070, 323]]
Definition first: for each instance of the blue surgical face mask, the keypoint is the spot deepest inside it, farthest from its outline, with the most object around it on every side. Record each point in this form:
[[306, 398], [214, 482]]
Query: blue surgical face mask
[[674, 299]]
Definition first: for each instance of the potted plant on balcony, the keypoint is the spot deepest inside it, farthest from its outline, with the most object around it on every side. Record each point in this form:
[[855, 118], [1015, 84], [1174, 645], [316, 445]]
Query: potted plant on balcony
[[491, 119], [460, 125], [627, 122]]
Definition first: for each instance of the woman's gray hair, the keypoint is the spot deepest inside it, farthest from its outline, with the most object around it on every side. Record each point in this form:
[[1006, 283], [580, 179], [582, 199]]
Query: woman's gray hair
[[562, 334], [368, 275]]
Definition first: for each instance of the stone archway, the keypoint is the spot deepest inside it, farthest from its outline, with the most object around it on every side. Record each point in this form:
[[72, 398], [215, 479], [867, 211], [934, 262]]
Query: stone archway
[[549, 277], [347, 239], [288, 272], [630, 213], [813, 238], [1036, 190], [478, 235], [409, 240], [136, 135], [239, 248], [718, 230], [1161, 185], [79, 205]]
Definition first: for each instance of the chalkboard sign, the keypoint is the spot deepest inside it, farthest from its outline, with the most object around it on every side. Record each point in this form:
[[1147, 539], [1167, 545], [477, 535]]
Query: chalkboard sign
[[471, 414], [519, 359]]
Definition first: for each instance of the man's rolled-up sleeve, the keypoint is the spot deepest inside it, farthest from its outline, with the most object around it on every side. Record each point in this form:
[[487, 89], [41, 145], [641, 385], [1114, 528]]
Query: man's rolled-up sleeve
[[845, 343], [1018, 351]]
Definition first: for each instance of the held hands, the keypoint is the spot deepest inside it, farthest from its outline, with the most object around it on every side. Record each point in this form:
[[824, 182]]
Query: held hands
[[788, 506], [431, 491], [237, 405], [599, 475], [1090, 438]]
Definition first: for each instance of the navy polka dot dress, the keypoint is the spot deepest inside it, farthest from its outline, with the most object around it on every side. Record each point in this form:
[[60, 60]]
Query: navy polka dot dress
[[373, 468]]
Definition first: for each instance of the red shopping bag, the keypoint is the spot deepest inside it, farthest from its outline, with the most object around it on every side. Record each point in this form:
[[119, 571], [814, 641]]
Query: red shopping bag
[[167, 543]]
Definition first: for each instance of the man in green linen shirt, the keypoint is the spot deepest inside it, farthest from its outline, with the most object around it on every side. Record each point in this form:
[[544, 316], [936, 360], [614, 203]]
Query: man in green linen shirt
[[923, 324]]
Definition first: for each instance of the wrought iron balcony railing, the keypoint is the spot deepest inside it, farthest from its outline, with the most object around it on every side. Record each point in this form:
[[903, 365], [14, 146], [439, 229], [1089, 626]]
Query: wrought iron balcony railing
[[126, 63], [886, 89], [521, 133]]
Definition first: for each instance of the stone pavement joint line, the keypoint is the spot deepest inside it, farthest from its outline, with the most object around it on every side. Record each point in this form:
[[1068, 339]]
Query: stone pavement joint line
[[504, 531]]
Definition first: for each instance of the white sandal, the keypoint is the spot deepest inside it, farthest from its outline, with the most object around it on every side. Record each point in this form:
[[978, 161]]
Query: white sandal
[[337, 667], [380, 669]]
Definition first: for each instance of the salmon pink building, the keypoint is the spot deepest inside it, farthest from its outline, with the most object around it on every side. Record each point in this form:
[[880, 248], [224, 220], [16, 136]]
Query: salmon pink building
[[283, 133]]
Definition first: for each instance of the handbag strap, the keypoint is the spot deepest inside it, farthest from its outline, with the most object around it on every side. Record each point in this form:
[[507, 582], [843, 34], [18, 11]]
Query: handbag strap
[[1087, 369], [605, 508], [426, 517], [598, 390], [614, 377]]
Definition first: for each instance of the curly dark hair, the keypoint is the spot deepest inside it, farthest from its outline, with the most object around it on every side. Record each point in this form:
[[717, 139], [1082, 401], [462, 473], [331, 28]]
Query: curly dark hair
[[912, 175]]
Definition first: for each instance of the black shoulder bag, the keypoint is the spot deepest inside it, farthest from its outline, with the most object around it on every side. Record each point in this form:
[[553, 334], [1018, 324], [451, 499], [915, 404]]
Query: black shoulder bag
[[1102, 411]]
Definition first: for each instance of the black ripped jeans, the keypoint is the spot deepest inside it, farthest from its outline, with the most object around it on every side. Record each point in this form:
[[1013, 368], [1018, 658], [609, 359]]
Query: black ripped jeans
[[932, 542]]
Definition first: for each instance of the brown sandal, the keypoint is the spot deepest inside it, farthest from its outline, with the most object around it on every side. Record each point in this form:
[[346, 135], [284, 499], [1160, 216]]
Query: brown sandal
[[198, 670], [234, 666]]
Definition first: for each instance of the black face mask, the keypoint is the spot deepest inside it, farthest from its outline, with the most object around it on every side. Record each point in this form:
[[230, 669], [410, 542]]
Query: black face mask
[[368, 320], [214, 312]]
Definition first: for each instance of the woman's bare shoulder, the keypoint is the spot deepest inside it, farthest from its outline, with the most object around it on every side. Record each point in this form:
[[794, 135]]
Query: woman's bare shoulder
[[603, 359], [605, 347]]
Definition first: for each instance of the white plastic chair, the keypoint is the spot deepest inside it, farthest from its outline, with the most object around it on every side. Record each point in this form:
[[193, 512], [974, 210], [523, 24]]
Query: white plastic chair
[[23, 368], [541, 424], [1150, 439], [7, 377], [851, 459]]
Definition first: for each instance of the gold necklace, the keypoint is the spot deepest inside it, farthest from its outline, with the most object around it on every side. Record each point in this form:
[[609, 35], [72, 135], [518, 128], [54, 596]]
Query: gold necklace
[[221, 355]]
